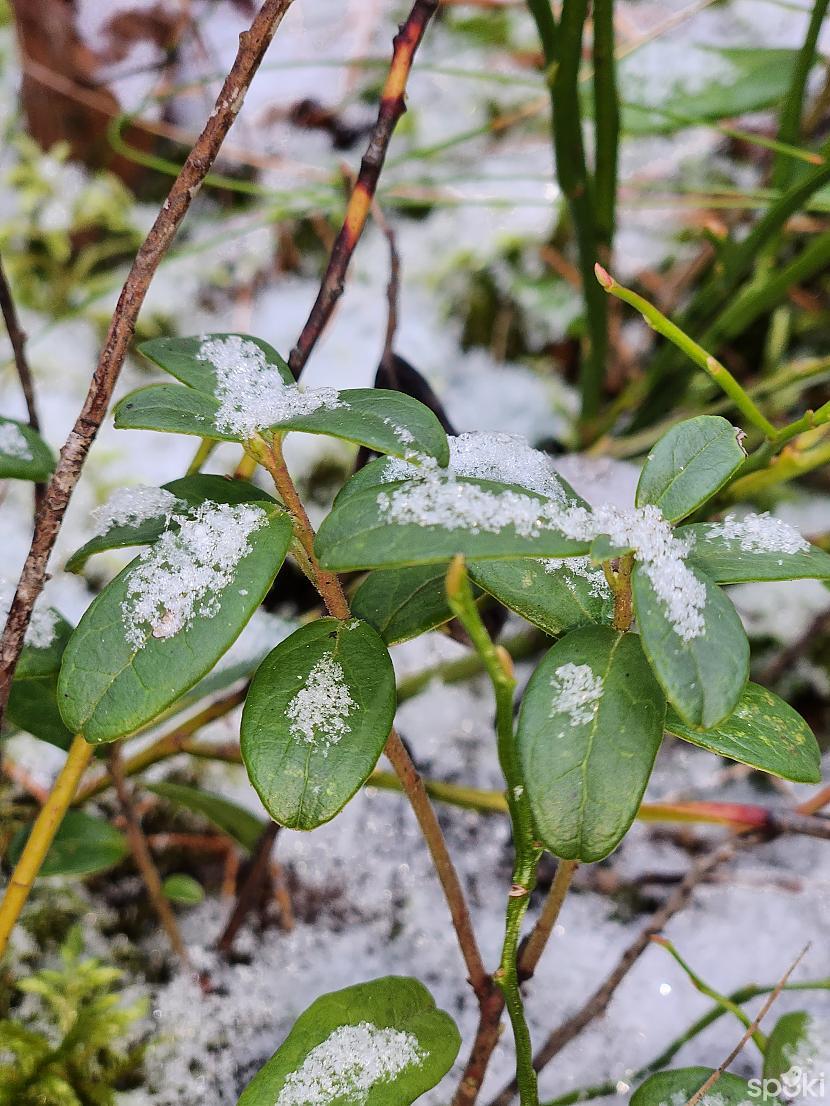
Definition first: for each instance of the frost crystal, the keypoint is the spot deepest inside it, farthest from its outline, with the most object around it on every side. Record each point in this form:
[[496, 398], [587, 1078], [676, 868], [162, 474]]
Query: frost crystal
[[760, 534], [132, 506], [319, 709], [181, 576], [252, 395], [579, 567], [348, 1064], [577, 692], [13, 443], [41, 631]]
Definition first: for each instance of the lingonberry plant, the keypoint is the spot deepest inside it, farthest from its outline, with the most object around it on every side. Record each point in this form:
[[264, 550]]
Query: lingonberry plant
[[646, 643]]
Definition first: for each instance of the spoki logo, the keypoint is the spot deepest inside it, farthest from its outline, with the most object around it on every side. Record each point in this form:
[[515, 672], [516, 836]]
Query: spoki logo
[[793, 1085]]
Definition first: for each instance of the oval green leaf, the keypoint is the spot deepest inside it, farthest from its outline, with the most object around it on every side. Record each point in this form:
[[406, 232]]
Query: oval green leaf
[[109, 686], [316, 719], [82, 846], [702, 676], [362, 532], [401, 603], [234, 820], [733, 552], [790, 1039], [689, 464], [23, 453], [183, 889], [33, 699], [180, 357], [589, 728], [383, 1043], [171, 409], [762, 731], [678, 1086], [554, 594]]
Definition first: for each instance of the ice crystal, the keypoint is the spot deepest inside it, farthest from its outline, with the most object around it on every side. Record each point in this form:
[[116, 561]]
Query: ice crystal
[[579, 567], [13, 442], [132, 506], [182, 576], [576, 692], [319, 710], [252, 395], [760, 534], [348, 1064]]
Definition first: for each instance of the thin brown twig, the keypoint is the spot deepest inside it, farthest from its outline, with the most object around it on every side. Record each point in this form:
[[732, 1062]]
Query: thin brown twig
[[17, 338], [142, 857], [251, 887], [252, 47], [750, 1030], [598, 1002], [392, 107]]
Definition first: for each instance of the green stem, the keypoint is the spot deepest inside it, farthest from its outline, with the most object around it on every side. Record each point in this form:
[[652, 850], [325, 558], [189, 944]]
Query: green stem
[[607, 124], [500, 670], [714, 369], [206, 448]]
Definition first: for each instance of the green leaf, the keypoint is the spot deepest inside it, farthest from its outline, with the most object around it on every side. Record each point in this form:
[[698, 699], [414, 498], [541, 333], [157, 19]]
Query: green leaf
[[108, 687], [183, 889], [192, 490], [603, 549], [180, 358], [232, 819], [401, 603], [703, 677], [762, 731], [23, 453], [33, 699], [678, 1086], [589, 728], [316, 720], [171, 409], [382, 1043], [724, 560], [83, 845], [555, 595], [359, 532], [788, 1038], [689, 464]]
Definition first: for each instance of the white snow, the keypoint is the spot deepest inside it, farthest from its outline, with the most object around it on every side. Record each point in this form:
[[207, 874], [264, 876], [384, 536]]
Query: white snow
[[133, 505], [582, 567], [41, 630], [251, 393], [809, 1064], [319, 710], [349, 1063], [13, 442], [760, 534], [181, 577], [576, 692]]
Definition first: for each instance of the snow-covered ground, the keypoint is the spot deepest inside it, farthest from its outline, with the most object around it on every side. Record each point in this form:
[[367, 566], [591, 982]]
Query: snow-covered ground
[[382, 911]]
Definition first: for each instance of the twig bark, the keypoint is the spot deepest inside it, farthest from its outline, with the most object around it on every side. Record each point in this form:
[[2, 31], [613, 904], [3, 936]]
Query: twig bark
[[252, 47], [251, 887], [392, 107], [596, 1005], [143, 860], [17, 337]]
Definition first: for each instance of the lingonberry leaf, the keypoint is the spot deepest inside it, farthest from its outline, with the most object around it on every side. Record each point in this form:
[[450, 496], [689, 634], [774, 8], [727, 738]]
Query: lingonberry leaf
[[429, 522], [171, 409], [83, 845], [33, 699], [184, 358], [762, 731], [23, 453], [754, 547], [679, 1086], [383, 1043], [689, 464], [401, 603], [316, 719], [234, 820], [789, 1045], [168, 617], [183, 889], [555, 594], [589, 728], [698, 649]]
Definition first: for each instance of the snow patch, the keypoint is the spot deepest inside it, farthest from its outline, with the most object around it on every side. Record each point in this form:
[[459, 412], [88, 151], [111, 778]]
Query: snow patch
[[348, 1064], [582, 567], [319, 710], [577, 692], [760, 534], [41, 631], [132, 506], [13, 443]]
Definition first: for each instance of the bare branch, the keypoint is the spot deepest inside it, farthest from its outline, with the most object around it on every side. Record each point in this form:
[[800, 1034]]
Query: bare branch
[[252, 47]]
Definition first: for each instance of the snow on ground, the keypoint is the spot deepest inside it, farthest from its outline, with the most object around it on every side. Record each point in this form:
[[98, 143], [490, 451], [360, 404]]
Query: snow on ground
[[382, 910]]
